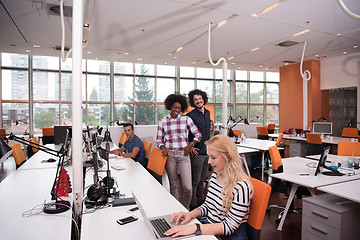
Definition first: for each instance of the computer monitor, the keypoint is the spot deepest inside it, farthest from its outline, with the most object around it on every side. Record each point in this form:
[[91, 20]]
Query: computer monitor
[[322, 127], [60, 134], [321, 165]]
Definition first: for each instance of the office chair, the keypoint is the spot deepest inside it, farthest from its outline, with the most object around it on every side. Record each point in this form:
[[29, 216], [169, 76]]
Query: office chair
[[348, 148], [3, 133], [48, 135], [122, 139], [156, 164], [281, 186], [271, 128], [19, 155], [236, 132], [350, 132], [258, 204], [279, 143], [31, 149], [147, 148], [314, 144], [262, 133]]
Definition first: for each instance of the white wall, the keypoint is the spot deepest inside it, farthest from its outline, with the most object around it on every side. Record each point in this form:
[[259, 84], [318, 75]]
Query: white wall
[[341, 72]]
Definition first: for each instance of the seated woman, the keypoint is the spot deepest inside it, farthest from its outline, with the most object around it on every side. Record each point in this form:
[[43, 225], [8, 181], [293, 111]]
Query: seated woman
[[226, 206]]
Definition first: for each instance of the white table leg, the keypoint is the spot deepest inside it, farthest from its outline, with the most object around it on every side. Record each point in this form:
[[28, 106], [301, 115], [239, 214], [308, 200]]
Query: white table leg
[[245, 163], [288, 204]]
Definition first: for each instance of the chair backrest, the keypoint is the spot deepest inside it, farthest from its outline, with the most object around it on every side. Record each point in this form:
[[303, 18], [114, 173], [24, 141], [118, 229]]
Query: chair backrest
[[279, 139], [262, 133], [236, 132], [147, 148], [271, 128], [313, 138], [48, 131], [18, 154], [122, 139], [2, 132], [156, 161], [34, 140], [258, 205], [276, 161], [350, 132], [48, 135], [349, 148]]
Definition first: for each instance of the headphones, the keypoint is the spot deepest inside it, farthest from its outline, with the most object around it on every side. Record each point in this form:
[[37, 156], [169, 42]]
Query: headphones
[[95, 192], [107, 182]]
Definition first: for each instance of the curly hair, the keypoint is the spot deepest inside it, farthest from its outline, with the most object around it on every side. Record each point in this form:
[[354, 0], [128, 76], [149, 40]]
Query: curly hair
[[173, 98], [233, 171], [197, 92]]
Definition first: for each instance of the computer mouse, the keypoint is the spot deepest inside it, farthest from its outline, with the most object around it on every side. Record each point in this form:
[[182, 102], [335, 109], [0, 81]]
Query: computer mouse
[[51, 160]]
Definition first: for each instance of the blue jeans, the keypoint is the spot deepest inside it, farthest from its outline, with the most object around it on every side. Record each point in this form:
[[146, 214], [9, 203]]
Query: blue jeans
[[239, 234]]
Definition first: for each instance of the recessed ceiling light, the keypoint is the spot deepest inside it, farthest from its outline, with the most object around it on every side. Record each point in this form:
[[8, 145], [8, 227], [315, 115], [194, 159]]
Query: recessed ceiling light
[[139, 59], [254, 49], [339, 34], [344, 52], [230, 58], [36, 46], [316, 55], [179, 49], [193, 62], [267, 9], [260, 65], [126, 53], [355, 46], [299, 33], [239, 67], [165, 63], [286, 64], [266, 69], [27, 50], [175, 57], [86, 25], [89, 52], [232, 63]]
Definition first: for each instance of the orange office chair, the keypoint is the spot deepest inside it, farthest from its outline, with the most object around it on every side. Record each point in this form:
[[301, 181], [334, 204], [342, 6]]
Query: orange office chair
[[147, 148], [48, 135], [350, 132], [18, 154], [236, 132], [349, 148], [262, 133], [271, 128], [314, 144], [156, 164], [2, 132], [279, 139], [122, 140], [258, 205], [32, 150]]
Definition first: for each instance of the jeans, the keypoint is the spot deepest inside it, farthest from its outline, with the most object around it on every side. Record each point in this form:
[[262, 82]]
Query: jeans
[[239, 234], [199, 169], [177, 162]]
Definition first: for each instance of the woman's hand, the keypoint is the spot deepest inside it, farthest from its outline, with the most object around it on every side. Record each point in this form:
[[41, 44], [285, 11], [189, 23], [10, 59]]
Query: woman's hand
[[181, 217], [181, 230]]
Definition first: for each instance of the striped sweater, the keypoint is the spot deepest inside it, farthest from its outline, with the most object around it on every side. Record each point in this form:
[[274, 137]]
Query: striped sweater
[[212, 207]]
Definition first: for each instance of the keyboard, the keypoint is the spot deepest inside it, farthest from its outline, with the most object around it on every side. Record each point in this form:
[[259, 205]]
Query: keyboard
[[161, 226]]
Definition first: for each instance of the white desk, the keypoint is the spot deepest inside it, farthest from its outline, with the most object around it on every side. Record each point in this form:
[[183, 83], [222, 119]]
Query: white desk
[[21, 191], [328, 140], [36, 161], [294, 165], [348, 190], [155, 199], [261, 145]]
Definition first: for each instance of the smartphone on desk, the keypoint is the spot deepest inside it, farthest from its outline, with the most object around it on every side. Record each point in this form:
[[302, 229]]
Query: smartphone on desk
[[123, 221]]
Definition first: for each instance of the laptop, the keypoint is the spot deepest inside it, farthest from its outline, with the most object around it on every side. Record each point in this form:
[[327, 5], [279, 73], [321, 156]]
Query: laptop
[[158, 225]]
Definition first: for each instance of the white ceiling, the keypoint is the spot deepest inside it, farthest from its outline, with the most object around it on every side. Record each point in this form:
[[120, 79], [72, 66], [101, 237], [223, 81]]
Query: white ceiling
[[152, 29]]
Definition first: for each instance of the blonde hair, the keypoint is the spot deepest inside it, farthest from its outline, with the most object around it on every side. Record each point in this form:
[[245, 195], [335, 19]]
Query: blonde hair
[[233, 171]]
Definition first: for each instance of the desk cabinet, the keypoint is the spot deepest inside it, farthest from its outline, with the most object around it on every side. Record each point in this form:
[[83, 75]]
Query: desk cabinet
[[297, 149], [324, 218]]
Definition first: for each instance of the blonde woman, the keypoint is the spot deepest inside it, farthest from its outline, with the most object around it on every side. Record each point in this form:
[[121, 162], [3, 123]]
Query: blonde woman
[[226, 206]]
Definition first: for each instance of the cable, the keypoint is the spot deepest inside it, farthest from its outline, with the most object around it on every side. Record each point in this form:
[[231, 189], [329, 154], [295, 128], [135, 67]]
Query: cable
[[209, 54], [63, 58], [347, 11], [306, 75]]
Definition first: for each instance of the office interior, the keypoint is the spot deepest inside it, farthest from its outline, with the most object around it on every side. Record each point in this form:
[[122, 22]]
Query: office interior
[[262, 43]]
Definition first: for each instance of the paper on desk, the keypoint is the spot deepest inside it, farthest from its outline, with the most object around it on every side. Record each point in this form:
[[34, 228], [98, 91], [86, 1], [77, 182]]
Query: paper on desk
[[117, 167]]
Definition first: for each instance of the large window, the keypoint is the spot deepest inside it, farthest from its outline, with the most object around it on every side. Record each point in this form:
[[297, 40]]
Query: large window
[[139, 91]]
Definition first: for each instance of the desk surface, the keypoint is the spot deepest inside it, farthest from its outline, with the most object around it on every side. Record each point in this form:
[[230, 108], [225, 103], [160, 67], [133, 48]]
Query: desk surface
[[36, 161], [348, 190], [155, 199], [245, 150], [262, 145], [327, 140], [295, 165], [23, 190]]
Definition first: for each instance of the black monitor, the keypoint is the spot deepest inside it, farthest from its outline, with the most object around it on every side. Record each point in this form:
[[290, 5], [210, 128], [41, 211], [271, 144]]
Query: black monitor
[[321, 165], [298, 130], [60, 134]]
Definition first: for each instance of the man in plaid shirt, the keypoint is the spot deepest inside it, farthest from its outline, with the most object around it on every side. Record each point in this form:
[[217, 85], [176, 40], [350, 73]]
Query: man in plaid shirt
[[172, 139]]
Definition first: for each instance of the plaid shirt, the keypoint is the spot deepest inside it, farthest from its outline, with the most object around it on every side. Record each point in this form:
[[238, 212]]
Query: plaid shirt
[[202, 121], [173, 132]]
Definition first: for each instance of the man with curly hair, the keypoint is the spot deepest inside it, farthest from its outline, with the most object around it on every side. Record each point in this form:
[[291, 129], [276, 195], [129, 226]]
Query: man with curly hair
[[172, 139], [199, 158]]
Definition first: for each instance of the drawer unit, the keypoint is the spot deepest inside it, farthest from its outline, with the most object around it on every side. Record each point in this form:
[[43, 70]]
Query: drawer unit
[[297, 149], [330, 217]]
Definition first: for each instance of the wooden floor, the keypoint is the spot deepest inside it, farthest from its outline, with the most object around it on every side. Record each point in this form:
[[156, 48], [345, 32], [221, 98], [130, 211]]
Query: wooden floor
[[291, 229]]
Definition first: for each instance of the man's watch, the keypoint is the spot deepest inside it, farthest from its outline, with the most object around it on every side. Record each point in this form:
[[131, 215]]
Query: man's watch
[[198, 230]]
